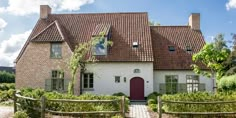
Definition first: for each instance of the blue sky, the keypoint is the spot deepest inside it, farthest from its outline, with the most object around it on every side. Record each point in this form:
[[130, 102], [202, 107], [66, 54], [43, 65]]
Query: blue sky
[[18, 17]]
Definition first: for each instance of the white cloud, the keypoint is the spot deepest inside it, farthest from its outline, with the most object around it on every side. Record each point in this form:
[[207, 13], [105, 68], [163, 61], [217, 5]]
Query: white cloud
[[27, 7], [9, 49], [231, 4], [3, 24]]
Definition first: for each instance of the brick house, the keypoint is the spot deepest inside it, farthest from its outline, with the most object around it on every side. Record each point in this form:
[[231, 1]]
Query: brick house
[[142, 59]]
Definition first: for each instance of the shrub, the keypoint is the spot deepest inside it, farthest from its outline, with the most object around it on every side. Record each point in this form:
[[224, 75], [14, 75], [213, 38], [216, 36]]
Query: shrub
[[200, 97], [227, 83], [69, 107], [153, 107], [127, 101], [7, 86], [6, 95], [152, 100], [6, 77], [119, 94], [20, 114]]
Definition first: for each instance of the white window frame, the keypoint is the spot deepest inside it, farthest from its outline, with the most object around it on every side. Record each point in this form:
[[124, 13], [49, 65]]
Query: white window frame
[[191, 83], [89, 75]]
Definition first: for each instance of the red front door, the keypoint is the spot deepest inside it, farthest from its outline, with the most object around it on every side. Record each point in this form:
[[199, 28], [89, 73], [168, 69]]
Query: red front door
[[137, 88]]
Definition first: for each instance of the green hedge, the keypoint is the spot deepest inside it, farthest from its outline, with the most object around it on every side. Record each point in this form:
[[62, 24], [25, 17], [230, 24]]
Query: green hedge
[[200, 97], [6, 77], [152, 100], [69, 107], [227, 83], [6, 86]]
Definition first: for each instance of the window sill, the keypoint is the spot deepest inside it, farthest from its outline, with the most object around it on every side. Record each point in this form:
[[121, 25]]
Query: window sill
[[55, 57], [88, 89]]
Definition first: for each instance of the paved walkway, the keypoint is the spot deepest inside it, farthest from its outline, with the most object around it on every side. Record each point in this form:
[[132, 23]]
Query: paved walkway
[[138, 110], [6, 112]]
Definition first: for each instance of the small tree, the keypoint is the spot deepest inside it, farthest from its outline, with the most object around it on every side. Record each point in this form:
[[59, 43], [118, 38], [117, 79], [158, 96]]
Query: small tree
[[81, 56], [153, 23], [212, 55]]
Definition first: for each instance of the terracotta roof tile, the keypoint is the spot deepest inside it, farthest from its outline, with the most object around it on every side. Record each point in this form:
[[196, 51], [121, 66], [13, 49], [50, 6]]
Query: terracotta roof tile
[[105, 28], [180, 37], [125, 28]]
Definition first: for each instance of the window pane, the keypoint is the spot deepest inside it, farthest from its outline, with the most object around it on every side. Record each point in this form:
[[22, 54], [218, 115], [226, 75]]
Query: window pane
[[85, 83], [100, 47], [91, 83], [117, 79], [56, 50]]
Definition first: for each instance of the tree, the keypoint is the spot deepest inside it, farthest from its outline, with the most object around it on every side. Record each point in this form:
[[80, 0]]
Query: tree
[[153, 23], [232, 59], [214, 56], [81, 56]]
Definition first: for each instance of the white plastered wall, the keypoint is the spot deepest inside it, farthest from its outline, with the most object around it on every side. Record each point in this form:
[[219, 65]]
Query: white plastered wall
[[104, 76]]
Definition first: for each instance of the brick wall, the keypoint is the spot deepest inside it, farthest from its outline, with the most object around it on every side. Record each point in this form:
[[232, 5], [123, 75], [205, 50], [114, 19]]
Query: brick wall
[[35, 66]]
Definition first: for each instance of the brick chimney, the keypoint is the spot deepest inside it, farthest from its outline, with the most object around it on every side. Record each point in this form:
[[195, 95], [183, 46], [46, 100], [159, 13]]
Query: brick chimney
[[194, 21], [45, 10]]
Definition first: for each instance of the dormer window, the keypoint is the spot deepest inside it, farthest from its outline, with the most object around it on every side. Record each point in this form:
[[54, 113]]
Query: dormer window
[[135, 44], [188, 48], [171, 48], [103, 32]]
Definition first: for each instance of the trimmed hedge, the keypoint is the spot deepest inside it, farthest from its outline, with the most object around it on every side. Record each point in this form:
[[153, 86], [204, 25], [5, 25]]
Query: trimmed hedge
[[200, 97], [6, 86], [227, 83], [6, 77], [152, 100], [69, 107], [127, 101]]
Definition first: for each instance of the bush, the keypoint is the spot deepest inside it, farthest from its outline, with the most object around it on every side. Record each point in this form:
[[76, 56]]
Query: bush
[[6, 77], [6, 86], [119, 94], [127, 101], [152, 100], [69, 107], [227, 83], [200, 97], [153, 107], [6, 95], [20, 114]]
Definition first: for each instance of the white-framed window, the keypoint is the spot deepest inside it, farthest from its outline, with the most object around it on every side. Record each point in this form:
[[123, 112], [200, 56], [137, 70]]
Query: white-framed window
[[117, 79], [192, 83], [57, 80], [101, 47], [56, 50], [171, 84], [88, 81]]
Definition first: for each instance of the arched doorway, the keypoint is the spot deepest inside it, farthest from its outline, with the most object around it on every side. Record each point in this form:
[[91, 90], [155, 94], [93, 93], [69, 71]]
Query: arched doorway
[[137, 88]]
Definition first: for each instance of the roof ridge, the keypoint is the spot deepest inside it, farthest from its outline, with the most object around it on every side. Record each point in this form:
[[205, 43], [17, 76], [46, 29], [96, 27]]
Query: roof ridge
[[92, 13], [171, 26]]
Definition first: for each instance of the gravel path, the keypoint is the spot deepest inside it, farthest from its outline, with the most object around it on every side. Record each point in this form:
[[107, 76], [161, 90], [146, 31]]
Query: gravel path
[[6, 111]]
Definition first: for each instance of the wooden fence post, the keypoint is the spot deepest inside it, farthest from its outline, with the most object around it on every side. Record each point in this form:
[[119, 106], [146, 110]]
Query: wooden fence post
[[159, 106], [43, 102], [123, 106], [15, 100]]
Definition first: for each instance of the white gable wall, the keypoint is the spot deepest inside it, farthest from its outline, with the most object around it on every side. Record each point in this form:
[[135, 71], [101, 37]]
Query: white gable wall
[[159, 77], [104, 76]]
